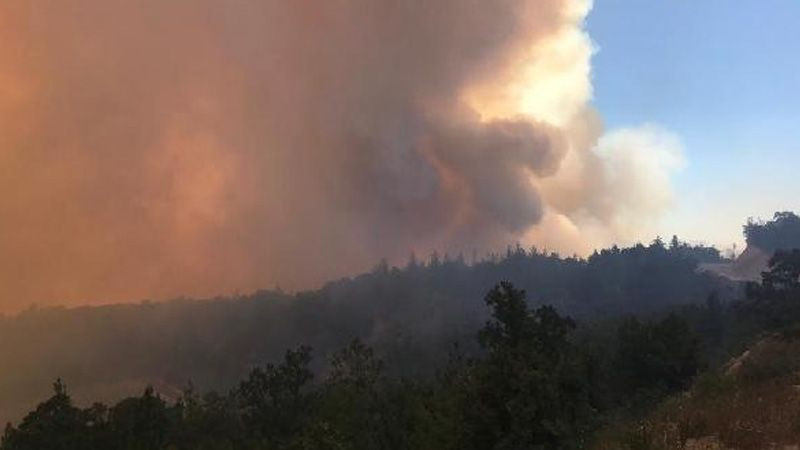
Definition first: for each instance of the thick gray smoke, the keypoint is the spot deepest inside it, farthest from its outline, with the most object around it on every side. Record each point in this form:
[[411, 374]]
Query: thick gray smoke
[[155, 148]]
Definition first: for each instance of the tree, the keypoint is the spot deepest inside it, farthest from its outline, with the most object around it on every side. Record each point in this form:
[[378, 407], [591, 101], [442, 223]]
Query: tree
[[657, 243], [784, 271], [529, 391], [782, 232], [674, 243], [351, 402], [55, 424], [274, 401], [656, 358], [140, 423], [207, 422], [775, 303]]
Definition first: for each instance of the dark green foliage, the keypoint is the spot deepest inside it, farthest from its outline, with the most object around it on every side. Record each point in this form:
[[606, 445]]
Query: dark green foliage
[[530, 383], [274, 403], [530, 391], [410, 315], [784, 272], [207, 422], [55, 424], [655, 358], [531, 379], [352, 396], [136, 423], [643, 279], [529, 388], [782, 232], [775, 303], [139, 423]]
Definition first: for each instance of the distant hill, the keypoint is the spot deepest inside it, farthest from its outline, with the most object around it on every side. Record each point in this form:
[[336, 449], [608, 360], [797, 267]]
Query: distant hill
[[410, 315]]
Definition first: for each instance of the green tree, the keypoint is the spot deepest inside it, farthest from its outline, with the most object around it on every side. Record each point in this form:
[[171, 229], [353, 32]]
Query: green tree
[[774, 304], [656, 358], [274, 401], [55, 424], [207, 422], [140, 423], [351, 404], [530, 390]]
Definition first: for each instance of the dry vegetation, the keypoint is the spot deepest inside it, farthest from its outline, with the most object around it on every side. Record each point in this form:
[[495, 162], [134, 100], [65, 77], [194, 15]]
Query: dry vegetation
[[753, 404]]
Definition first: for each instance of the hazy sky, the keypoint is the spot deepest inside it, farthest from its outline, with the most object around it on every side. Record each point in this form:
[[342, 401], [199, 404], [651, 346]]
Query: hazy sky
[[156, 148], [724, 77], [152, 149]]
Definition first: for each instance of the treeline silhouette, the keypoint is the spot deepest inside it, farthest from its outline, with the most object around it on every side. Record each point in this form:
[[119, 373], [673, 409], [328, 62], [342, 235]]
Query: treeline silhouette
[[403, 358], [410, 315], [537, 379], [530, 385], [782, 232]]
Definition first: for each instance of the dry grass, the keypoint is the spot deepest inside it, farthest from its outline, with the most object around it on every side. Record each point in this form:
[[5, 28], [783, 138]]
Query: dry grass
[[755, 407]]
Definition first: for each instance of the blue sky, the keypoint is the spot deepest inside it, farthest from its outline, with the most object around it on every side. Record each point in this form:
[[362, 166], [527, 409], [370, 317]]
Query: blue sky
[[724, 76]]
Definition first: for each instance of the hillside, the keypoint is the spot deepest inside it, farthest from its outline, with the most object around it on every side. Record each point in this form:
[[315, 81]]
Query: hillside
[[410, 315], [647, 365], [648, 319], [751, 403]]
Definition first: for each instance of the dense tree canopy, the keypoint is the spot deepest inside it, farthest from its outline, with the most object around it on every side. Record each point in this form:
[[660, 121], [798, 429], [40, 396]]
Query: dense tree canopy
[[782, 232], [775, 302], [527, 389], [409, 315], [531, 390], [520, 374], [660, 356], [529, 382]]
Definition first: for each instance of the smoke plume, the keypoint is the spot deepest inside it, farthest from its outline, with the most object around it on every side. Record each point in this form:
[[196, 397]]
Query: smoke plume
[[157, 148]]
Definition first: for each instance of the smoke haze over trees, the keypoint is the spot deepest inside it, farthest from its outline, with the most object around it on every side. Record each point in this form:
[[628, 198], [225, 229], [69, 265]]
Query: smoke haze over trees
[[285, 225], [530, 387], [644, 323], [410, 315]]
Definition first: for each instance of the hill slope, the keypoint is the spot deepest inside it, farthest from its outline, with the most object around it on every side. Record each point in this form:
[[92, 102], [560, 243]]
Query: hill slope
[[411, 316]]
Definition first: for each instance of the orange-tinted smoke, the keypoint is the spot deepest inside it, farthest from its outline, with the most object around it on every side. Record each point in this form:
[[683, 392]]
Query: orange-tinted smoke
[[151, 149]]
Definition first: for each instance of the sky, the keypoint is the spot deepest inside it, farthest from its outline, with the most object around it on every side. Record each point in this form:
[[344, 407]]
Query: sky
[[723, 77]]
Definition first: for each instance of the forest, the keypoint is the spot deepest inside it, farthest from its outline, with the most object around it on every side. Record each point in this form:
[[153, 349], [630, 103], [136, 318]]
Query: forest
[[528, 349]]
